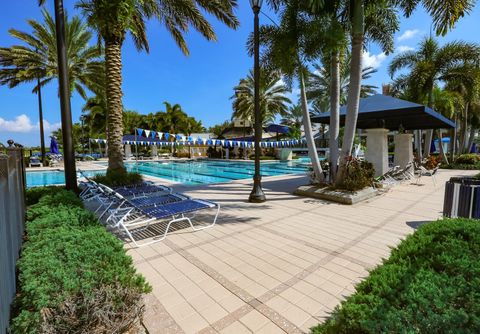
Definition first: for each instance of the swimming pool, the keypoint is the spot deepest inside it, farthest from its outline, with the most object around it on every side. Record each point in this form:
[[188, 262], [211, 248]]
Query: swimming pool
[[51, 177], [186, 172]]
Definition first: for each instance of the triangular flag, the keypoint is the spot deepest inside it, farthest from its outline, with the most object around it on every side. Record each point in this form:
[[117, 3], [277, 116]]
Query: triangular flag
[[153, 134], [147, 133], [139, 131]]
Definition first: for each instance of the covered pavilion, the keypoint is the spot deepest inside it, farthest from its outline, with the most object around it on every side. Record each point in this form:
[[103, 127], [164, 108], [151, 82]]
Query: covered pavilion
[[378, 114]]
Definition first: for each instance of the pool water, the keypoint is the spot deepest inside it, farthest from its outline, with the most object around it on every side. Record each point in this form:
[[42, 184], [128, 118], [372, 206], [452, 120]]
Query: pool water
[[207, 171], [54, 177], [186, 172]]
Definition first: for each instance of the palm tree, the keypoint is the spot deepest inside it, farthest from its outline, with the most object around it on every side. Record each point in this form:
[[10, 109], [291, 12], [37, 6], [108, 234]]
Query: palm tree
[[285, 48], [319, 84], [444, 14], [293, 117], [35, 60], [429, 65], [273, 99], [113, 19], [95, 116]]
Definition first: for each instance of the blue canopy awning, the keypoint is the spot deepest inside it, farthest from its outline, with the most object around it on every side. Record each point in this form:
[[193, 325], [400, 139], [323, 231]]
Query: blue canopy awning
[[383, 111], [277, 128]]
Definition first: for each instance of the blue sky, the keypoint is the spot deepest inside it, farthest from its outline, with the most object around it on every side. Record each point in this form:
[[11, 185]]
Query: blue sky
[[202, 83]]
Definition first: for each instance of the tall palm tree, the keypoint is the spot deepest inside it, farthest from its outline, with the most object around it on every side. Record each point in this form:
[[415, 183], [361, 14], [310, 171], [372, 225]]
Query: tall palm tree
[[113, 19], [35, 60], [95, 116], [273, 99], [319, 84], [293, 116], [285, 48], [429, 65], [444, 15]]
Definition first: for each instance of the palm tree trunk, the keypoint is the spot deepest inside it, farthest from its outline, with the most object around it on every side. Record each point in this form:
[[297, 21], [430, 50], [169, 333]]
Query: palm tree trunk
[[113, 64], [470, 139], [464, 133], [440, 147], [307, 125], [334, 128], [453, 138], [353, 98], [428, 142]]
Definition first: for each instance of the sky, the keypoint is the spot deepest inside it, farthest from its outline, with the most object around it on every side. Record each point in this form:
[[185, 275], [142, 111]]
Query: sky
[[201, 83]]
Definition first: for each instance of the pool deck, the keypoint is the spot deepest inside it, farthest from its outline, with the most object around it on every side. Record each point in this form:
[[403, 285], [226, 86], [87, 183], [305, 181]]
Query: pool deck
[[276, 267]]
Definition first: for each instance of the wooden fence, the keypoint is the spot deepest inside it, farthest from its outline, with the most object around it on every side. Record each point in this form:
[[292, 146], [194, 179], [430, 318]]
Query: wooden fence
[[12, 222]]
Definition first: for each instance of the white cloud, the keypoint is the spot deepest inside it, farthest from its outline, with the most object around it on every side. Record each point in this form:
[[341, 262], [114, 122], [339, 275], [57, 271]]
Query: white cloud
[[23, 124], [408, 34], [372, 60], [404, 48]]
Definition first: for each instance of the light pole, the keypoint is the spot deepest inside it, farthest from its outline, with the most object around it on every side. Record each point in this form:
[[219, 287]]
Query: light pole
[[257, 195], [67, 133], [40, 115]]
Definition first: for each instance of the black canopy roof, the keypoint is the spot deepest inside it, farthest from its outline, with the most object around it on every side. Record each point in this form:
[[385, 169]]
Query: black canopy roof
[[382, 111]]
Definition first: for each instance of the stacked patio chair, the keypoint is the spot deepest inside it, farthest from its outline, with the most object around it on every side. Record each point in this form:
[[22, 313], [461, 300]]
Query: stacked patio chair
[[136, 214], [396, 174], [133, 208], [422, 171]]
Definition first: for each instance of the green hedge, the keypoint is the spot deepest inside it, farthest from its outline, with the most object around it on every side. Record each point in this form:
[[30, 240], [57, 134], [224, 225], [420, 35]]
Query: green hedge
[[461, 166], [119, 178], [74, 276], [430, 284]]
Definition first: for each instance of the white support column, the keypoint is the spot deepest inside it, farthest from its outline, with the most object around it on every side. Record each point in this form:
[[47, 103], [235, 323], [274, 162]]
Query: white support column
[[128, 151], [403, 149], [377, 150]]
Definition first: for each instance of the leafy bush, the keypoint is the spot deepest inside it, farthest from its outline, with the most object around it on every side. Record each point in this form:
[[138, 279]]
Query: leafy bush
[[432, 161], [118, 178], [475, 166], [182, 155], [74, 276], [359, 174], [467, 159], [33, 195], [430, 284]]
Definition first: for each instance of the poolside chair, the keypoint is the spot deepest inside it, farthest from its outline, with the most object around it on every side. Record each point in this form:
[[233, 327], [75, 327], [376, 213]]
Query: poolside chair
[[142, 190], [422, 171], [136, 215]]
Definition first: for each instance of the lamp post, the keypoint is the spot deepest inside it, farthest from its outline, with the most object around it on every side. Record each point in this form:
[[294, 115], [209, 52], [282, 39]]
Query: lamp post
[[66, 113], [257, 195], [40, 115]]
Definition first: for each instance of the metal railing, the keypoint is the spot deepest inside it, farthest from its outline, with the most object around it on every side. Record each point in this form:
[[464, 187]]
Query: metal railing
[[12, 222]]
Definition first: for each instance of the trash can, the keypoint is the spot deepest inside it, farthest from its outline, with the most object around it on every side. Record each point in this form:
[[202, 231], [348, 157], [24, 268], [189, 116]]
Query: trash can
[[462, 198]]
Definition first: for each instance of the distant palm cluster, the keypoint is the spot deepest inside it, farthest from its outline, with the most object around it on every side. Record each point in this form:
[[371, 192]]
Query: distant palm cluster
[[314, 44]]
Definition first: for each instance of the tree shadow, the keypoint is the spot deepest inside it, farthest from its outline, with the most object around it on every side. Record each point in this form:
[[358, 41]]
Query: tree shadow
[[416, 224]]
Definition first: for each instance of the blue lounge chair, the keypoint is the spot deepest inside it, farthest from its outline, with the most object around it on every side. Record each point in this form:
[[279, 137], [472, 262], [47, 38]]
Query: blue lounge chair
[[141, 212]]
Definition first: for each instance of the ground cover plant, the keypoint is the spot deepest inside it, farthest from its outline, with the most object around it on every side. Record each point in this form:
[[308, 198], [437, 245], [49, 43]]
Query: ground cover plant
[[429, 284], [74, 276], [117, 178], [465, 161]]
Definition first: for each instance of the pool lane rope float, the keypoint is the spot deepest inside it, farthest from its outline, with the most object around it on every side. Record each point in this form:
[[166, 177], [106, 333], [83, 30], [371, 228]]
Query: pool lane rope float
[[154, 138]]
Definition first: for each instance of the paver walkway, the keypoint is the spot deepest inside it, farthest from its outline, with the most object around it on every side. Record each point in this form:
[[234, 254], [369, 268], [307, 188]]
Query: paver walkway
[[275, 267]]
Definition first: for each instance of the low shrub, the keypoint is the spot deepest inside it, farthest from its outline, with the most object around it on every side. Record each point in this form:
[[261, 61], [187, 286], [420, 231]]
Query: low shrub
[[432, 161], [359, 174], [429, 284], [263, 157], [74, 276], [118, 178], [475, 166], [33, 195], [182, 155], [467, 159]]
